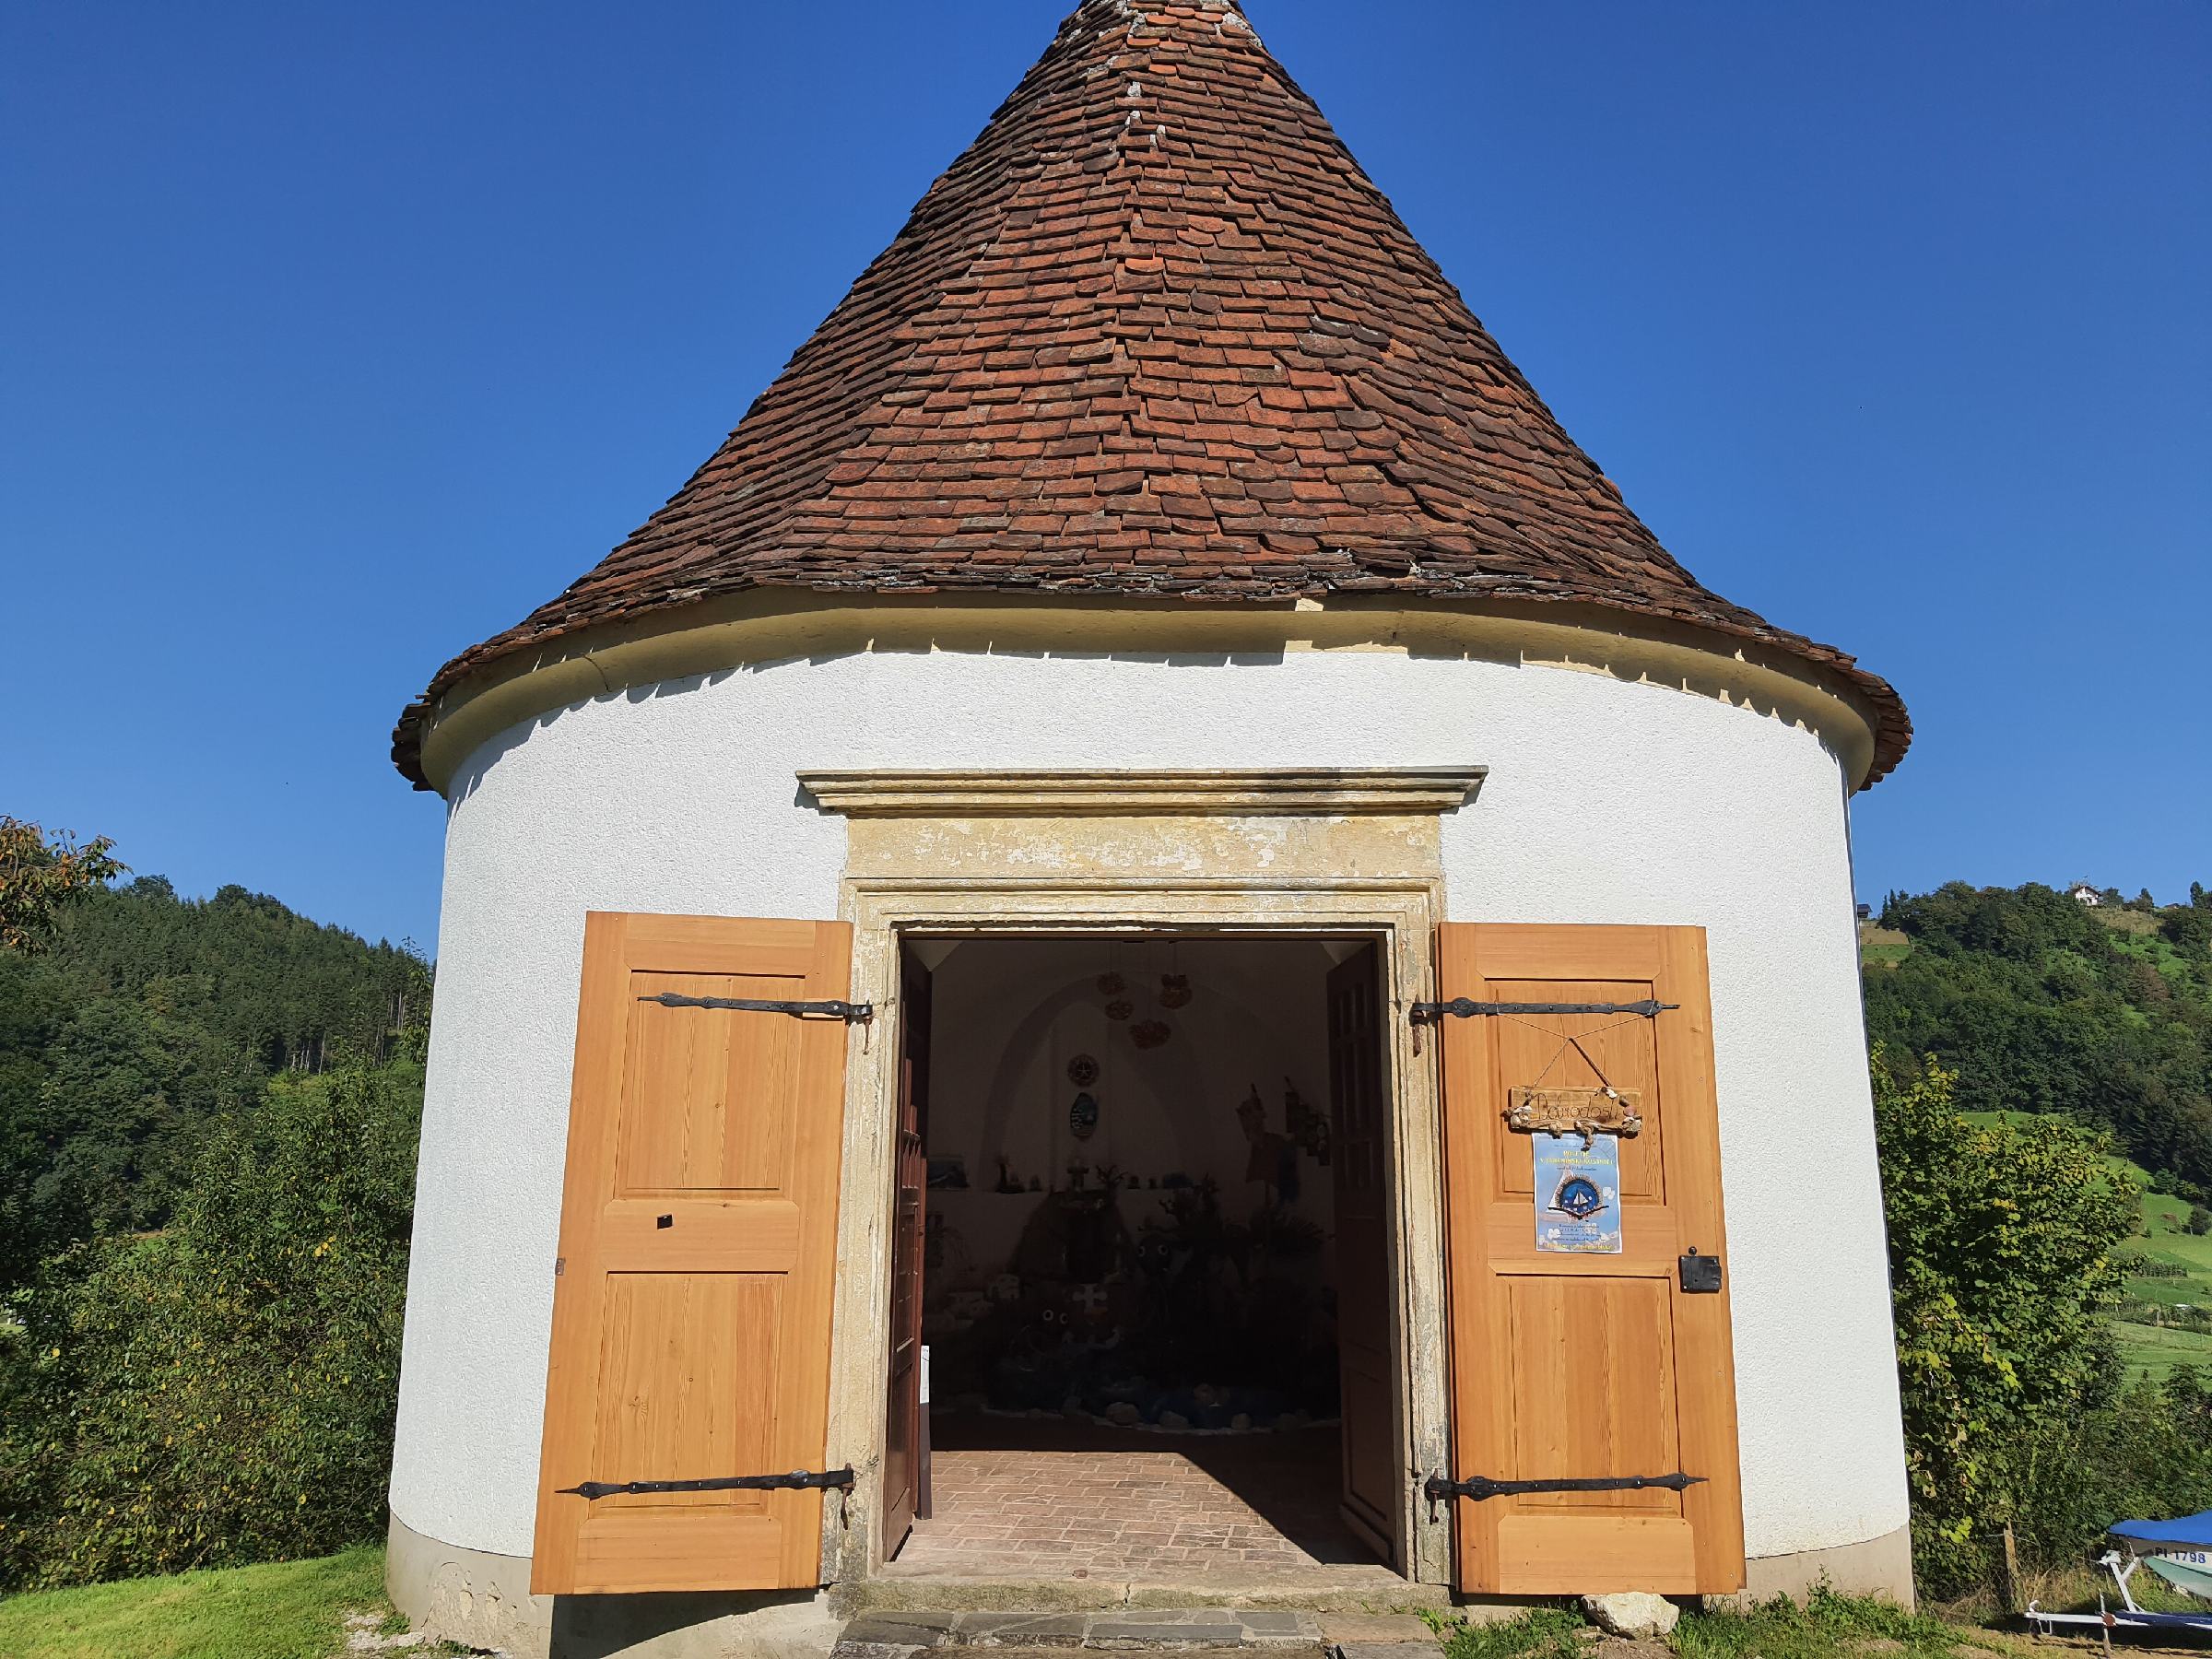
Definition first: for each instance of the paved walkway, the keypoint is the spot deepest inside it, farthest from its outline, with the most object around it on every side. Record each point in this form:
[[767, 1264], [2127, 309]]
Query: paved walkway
[[1026, 1498]]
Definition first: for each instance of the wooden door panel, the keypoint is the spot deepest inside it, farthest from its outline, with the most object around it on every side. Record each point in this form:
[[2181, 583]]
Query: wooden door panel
[[688, 1120], [1359, 1153], [1372, 1466], [1569, 1366], [692, 1297], [1558, 1554], [701, 1550], [673, 1406], [905, 1437], [1589, 1356]]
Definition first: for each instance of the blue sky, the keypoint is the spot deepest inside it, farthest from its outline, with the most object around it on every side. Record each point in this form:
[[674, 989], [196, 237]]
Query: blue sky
[[338, 337]]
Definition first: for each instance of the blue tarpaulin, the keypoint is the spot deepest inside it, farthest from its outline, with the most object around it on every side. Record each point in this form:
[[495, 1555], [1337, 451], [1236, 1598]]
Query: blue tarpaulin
[[2191, 1532]]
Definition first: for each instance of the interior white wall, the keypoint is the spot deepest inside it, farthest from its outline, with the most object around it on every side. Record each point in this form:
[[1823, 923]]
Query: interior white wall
[[1606, 801], [1008, 1016]]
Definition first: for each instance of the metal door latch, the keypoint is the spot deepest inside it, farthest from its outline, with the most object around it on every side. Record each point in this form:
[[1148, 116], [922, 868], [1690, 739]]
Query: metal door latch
[[1700, 1274], [1438, 1487], [801, 1478]]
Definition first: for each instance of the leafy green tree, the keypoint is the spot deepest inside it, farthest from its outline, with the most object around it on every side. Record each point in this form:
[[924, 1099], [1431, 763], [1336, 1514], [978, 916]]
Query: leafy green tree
[[2189, 929], [39, 876], [2002, 1242], [2149, 1454], [223, 1391]]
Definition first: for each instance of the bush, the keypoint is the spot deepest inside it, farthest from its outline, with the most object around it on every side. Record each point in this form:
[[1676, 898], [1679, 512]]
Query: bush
[[223, 1391], [2003, 1245]]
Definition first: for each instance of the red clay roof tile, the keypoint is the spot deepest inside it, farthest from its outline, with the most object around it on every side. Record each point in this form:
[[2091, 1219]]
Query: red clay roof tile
[[1155, 333]]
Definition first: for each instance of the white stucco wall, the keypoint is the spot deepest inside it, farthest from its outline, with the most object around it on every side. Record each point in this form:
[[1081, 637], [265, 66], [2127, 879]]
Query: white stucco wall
[[1606, 801]]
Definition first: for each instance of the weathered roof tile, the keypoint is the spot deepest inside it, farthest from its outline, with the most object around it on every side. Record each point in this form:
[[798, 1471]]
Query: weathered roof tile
[[1154, 333]]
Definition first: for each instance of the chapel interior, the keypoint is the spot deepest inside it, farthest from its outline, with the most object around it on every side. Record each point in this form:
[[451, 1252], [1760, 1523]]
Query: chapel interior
[[1132, 1276]]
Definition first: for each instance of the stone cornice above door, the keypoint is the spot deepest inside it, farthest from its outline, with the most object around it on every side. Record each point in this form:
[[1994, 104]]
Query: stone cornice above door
[[1300, 792]]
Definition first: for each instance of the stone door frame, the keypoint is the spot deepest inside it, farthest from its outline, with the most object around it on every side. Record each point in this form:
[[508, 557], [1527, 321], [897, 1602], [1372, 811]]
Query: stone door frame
[[1279, 853]]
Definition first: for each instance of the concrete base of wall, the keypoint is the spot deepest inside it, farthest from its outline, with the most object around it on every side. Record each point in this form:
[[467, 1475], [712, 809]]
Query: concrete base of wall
[[1881, 1566], [483, 1600]]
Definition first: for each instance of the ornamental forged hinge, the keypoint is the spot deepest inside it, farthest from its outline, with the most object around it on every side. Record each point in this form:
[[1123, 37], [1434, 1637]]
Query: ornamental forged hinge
[[1466, 1008], [802, 1479], [851, 1013], [1437, 1487]]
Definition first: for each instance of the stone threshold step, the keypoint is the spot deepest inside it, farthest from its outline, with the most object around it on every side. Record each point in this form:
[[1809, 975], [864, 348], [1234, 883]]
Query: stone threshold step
[[1269, 1632], [1312, 1591]]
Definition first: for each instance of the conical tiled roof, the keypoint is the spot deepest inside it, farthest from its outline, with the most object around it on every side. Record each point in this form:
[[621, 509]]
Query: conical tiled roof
[[1155, 334]]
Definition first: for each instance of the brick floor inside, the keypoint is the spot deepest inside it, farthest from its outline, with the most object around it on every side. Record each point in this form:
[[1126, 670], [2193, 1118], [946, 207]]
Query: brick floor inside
[[1022, 1497]]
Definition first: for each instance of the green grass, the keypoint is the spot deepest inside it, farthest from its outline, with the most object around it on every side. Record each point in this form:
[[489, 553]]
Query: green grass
[[2123, 921], [1882, 947], [2148, 1349], [281, 1610], [1548, 1632], [2162, 1351], [1828, 1626]]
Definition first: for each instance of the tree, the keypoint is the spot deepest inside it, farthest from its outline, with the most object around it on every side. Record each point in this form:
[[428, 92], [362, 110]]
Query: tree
[[2200, 1220], [38, 876], [2002, 1242], [222, 1391]]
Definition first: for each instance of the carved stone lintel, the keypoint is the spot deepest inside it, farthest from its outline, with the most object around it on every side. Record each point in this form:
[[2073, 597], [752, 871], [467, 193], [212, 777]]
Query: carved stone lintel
[[1314, 792]]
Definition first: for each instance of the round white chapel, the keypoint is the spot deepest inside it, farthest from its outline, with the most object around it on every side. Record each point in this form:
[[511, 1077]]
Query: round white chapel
[[1145, 912]]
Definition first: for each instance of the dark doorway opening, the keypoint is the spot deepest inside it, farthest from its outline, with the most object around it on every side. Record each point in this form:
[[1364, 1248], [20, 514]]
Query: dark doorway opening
[[1142, 1238]]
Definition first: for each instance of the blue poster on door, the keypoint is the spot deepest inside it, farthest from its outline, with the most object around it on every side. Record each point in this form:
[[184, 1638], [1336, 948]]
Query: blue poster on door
[[1577, 1193]]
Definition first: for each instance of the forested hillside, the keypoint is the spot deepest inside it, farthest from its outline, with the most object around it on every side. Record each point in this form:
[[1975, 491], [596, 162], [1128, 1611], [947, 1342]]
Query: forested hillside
[[208, 1114], [2042, 1004], [143, 1019]]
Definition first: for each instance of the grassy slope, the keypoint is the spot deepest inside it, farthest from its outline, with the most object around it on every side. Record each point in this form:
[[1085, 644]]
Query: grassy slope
[[283, 1610], [2146, 1348]]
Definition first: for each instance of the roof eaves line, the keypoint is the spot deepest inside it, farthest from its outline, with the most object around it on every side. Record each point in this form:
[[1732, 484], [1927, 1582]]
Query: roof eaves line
[[1775, 675]]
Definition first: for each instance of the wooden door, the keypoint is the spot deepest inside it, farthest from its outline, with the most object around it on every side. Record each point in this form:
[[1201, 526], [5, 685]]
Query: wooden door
[[1569, 1366], [904, 1445], [1358, 1165], [698, 1256]]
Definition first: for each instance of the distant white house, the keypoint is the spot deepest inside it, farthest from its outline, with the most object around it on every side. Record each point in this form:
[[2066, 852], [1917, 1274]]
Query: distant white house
[[2083, 894]]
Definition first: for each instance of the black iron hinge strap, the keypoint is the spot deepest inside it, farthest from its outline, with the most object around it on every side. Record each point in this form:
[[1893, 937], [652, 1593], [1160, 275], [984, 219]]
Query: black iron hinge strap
[[851, 1013], [798, 1479], [1436, 1488], [1466, 1008]]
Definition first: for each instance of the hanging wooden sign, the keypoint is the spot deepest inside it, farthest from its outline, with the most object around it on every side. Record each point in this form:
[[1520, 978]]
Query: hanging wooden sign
[[1583, 1111]]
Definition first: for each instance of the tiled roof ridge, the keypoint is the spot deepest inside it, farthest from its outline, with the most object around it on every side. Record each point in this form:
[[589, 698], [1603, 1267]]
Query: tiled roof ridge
[[1153, 333]]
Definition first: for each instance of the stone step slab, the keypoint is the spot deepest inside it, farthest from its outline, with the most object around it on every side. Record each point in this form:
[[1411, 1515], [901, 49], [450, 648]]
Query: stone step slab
[[1283, 1632]]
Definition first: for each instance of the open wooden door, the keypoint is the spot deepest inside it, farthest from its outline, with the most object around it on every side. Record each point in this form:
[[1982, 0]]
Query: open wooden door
[[1358, 1165], [1571, 1367], [697, 1258], [905, 1446]]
